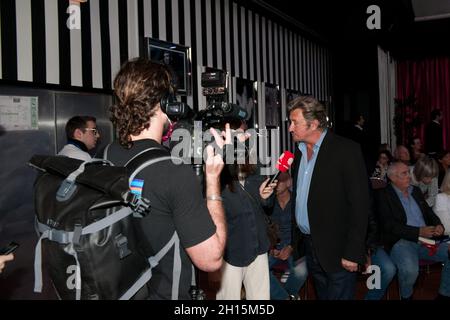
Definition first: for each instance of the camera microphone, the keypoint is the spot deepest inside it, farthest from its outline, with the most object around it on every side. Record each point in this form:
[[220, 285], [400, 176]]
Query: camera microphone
[[283, 164]]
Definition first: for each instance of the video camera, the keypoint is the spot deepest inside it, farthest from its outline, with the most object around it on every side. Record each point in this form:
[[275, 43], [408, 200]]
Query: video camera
[[218, 110], [217, 113]]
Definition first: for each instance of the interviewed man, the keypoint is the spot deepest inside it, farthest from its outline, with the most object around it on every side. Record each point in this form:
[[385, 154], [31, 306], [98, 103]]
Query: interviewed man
[[330, 200]]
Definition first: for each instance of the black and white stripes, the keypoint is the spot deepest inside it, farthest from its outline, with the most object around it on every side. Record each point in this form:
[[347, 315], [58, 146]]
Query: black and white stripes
[[37, 46]]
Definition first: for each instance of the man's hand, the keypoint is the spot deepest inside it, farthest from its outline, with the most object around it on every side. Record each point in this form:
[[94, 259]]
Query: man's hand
[[4, 259], [368, 263], [241, 135], [349, 265], [427, 232], [223, 138], [266, 191], [439, 231], [214, 162], [285, 253], [275, 252]]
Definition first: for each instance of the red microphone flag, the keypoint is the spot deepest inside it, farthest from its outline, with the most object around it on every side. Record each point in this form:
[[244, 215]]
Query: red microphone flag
[[285, 161], [283, 164]]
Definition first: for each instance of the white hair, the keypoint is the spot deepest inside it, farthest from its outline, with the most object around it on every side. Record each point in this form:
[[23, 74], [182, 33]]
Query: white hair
[[393, 167]]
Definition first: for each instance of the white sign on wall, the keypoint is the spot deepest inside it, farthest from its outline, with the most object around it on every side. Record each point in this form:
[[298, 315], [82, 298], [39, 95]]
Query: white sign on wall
[[19, 113]]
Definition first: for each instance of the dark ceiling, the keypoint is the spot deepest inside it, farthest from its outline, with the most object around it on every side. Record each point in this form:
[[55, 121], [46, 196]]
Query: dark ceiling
[[344, 22]]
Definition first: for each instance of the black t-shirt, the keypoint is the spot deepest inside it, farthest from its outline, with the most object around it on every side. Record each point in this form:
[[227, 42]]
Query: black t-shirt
[[177, 205]]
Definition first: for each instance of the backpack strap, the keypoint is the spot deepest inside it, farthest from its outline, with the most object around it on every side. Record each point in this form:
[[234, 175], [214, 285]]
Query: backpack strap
[[38, 265], [154, 261], [143, 160], [105, 151], [68, 186], [70, 237], [135, 165]]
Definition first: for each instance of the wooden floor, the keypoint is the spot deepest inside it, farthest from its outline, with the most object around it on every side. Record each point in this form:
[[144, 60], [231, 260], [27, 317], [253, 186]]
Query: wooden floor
[[426, 287]]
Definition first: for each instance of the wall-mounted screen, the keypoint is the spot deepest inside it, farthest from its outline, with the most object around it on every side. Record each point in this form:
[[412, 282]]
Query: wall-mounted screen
[[175, 57], [273, 108]]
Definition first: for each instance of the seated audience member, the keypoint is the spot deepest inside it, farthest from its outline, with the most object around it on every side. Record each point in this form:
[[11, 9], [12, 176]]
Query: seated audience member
[[415, 149], [401, 154], [377, 256], [442, 205], [424, 176], [282, 216], [384, 159], [4, 259], [443, 159], [82, 135], [405, 215]]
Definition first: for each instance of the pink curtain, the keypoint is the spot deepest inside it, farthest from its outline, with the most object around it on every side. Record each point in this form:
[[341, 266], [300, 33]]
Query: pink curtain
[[427, 80]]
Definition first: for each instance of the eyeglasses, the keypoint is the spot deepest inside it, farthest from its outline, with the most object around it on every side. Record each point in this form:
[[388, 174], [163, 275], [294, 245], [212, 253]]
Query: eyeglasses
[[404, 174], [94, 130]]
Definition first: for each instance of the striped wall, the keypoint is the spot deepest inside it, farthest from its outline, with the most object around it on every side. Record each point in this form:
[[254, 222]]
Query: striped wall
[[37, 46]]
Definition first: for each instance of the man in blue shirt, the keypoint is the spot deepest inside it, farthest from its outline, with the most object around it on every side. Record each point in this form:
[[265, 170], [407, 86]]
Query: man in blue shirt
[[406, 216], [330, 200]]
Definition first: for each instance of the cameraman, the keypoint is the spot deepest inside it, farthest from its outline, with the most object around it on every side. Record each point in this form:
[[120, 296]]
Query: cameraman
[[175, 195]]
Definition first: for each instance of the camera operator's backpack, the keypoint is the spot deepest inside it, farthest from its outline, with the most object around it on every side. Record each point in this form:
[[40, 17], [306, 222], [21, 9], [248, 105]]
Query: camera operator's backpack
[[85, 213]]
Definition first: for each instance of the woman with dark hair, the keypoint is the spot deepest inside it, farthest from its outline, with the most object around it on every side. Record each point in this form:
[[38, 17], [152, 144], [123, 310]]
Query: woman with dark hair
[[384, 159], [415, 149], [244, 194]]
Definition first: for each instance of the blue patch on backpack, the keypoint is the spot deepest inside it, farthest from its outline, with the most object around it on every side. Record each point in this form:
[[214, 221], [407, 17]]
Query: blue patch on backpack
[[136, 187]]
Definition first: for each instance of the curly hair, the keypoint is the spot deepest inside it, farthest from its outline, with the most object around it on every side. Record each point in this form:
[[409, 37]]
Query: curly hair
[[138, 88]]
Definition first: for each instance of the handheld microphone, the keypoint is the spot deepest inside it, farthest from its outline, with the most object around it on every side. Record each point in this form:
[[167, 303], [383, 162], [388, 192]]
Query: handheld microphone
[[283, 164]]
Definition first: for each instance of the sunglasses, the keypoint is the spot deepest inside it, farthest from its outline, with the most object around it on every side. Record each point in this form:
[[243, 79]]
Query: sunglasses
[[94, 130]]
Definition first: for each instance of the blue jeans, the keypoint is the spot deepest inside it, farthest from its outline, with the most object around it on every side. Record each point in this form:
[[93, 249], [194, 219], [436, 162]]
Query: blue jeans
[[406, 254], [387, 268], [297, 277]]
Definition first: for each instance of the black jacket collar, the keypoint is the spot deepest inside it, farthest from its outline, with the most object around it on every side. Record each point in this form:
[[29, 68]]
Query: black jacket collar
[[78, 144]]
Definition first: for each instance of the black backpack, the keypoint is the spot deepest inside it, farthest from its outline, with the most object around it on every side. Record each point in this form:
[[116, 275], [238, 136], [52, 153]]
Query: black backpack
[[85, 215]]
